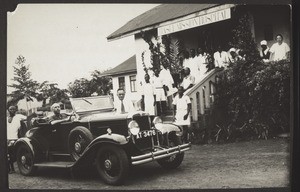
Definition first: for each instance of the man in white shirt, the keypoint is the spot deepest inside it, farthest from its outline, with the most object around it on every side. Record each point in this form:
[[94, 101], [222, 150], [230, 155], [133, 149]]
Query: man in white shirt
[[221, 58], [201, 60], [148, 96], [194, 64], [13, 128], [167, 79], [279, 50], [123, 105], [182, 108]]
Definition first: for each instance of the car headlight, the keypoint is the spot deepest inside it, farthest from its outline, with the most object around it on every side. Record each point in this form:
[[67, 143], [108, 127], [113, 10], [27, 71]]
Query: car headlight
[[156, 120], [133, 127]]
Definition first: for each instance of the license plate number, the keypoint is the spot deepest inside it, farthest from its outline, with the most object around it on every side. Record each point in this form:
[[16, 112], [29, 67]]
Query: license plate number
[[147, 133]]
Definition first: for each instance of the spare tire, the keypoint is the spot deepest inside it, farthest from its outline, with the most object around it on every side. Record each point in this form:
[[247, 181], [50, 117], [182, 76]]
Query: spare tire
[[79, 138]]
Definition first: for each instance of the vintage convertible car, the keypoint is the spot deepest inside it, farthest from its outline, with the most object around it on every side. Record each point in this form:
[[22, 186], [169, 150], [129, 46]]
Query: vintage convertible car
[[94, 134]]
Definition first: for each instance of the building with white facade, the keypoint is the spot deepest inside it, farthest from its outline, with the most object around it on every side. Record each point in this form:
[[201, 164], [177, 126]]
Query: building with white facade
[[206, 26], [124, 76]]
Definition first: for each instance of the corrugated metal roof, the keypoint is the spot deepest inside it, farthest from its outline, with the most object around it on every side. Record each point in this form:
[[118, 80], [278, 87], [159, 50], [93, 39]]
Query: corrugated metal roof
[[159, 14], [128, 66]]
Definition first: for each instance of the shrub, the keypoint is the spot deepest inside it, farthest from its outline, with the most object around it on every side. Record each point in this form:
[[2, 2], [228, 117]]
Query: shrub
[[253, 97], [258, 96]]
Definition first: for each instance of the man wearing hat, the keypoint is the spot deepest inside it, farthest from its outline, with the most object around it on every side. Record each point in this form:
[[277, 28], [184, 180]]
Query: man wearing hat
[[265, 51], [55, 108]]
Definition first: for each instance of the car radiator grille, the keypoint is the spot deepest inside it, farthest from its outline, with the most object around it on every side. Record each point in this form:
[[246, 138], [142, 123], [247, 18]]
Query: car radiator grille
[[144, 122], [146, 143]]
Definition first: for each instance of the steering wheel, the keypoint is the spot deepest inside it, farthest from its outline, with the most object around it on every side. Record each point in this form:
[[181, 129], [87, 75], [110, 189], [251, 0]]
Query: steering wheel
[[71, 115]]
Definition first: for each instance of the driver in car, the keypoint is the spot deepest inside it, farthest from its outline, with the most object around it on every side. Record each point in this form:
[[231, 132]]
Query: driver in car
[[55, 108]]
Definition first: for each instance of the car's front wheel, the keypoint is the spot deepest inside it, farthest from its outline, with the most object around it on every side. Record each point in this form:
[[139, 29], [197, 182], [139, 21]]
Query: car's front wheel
[[112, 164], [173, 161], [25, 160]]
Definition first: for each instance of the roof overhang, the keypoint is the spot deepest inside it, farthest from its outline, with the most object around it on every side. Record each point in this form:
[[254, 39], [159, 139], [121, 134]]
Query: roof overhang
[[119, 73], [175, 20]]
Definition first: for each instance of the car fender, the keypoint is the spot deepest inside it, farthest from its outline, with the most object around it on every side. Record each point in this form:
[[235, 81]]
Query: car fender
[[114, 138], [24, 141], [90, 151], [167, 128]]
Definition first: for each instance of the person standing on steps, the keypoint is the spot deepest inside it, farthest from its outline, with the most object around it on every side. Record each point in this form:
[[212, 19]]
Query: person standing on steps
[[188, 80], [221, 58]]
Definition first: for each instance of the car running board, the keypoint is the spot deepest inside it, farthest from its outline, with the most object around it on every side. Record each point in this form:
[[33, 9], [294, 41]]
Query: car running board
[[60, 164]]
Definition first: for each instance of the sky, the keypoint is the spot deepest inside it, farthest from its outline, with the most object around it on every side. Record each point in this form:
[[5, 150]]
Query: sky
[[64, 42]]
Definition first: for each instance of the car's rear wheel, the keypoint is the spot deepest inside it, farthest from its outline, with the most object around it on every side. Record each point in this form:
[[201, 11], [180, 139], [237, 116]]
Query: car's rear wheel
[[173, 161], [112, 164], [25, 160], [79, 139]]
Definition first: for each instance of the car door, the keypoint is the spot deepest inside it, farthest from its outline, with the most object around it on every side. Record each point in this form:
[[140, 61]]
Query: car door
[[60, 134]]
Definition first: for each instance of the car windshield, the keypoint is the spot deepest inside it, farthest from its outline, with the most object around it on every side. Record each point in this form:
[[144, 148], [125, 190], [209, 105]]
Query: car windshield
[[91, 103]]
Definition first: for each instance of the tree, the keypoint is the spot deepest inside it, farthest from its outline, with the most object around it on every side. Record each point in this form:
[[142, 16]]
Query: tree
[[49, 90], [100, 84], [156, 54], [80, 88], [85, 88], [24, 86], [243, 39], [173, 48]]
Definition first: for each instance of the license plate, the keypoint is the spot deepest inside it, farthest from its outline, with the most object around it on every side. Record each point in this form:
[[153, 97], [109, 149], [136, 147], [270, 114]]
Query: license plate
[[144, 134]]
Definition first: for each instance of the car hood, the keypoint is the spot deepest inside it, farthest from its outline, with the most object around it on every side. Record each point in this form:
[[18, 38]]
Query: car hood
[[107, 116]]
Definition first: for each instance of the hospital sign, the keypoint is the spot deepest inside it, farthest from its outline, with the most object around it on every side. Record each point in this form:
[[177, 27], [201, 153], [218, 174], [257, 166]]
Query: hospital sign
[[195, 22]]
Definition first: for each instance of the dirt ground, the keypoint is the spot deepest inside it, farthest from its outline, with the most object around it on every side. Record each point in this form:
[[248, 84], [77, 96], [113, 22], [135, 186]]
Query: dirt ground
[[253, 164]]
